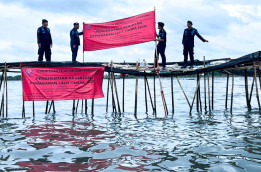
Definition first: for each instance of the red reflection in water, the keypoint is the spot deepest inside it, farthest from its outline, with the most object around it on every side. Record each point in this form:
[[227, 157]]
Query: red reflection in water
[[69, 134], [38, 166], [82, 135]]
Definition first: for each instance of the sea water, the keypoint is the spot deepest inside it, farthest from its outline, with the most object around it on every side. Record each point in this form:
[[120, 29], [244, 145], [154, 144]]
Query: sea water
[[207, 141]]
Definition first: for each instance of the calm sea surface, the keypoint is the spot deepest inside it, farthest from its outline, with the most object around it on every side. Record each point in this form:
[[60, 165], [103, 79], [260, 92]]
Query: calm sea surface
[[217, 141]]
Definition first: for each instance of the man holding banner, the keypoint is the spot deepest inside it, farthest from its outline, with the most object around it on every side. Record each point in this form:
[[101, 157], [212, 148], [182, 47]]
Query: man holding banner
[[162, 39]]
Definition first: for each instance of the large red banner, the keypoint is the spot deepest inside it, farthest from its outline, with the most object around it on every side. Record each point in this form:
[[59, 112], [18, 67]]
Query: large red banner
[[124, 32], [62, 83]]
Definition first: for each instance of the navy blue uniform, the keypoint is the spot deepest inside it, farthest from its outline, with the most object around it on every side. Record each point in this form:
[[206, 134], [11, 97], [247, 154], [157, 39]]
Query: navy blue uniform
[[45, 39], [188, 43], [75, 40], [162, 46]]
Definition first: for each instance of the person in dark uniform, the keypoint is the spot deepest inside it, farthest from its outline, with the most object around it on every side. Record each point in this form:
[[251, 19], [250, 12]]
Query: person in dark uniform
[[44, 40], [162, 39], [75, 40], [188, 43]]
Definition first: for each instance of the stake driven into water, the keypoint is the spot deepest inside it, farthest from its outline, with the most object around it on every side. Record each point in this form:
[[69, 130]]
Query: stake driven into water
[[161, 89]]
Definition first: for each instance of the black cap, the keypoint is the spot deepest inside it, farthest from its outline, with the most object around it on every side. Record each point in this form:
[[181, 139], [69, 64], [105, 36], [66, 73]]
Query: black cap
[[161, 24], [190, 22], [76, 23], [44, 20]]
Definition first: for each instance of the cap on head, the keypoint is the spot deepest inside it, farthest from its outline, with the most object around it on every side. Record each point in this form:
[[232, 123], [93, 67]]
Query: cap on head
[[161, 24], [44, 20], [190, 22], [76, 23]]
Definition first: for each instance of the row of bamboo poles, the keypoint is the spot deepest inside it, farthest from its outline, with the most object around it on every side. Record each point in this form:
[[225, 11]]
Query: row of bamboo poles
[[117, 108]]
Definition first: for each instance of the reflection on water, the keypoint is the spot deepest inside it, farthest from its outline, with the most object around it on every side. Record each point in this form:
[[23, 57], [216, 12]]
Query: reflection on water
[[217, 141]]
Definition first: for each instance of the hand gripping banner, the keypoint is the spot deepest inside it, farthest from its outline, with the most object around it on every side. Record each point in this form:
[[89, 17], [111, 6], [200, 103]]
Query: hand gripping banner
[[133, 30], [62, 83]]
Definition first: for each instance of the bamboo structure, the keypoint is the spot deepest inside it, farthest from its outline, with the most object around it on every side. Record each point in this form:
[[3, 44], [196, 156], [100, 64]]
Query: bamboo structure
[[246, 64]]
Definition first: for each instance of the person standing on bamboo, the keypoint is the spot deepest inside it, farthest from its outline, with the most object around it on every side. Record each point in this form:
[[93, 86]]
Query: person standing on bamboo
[[44, 41], [188, 43], [75, 40], [162, 39]]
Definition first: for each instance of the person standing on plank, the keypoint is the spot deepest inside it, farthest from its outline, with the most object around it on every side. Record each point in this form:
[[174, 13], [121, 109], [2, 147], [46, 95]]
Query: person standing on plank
[[162, 39], [75, 40], [188, 43], [44, 41]]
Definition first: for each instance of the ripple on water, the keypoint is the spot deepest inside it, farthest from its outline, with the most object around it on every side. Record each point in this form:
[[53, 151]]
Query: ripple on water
[[217, 141]]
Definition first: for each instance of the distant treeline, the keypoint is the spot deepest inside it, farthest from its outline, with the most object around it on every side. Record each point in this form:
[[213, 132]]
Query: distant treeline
[[13, 78]]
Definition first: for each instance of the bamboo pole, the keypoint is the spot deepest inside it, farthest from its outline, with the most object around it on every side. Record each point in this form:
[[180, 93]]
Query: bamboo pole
[[112, 93], [205, 89], [73, 108], [3, 97], [213, 90], [199, 97], [257, 94], [149, 94], [183, 91], [50, 107], [0, 90], [54, 108], [86, 106], [136, 91], [252, 88], [6, 94], [23, 108], [246, 90], [191, 107], [172, 94], [154, 79], [123, 91], [232, 93], [227, 90], [33, 110], [209, 105], [258, 70], [108, 89], [145, 91], [116, 92], [197, 93], [46, 107], [92, 106], [82, 107], [161, 88], [154, 89], [77, 106]]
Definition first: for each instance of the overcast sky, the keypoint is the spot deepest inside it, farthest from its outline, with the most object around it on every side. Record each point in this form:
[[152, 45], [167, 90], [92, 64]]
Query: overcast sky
[[231, 26]]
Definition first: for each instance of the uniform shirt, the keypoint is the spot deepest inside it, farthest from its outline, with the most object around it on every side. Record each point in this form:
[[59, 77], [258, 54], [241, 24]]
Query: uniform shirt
[[44, 35], [74, 34], [162, 35], [188, 37]]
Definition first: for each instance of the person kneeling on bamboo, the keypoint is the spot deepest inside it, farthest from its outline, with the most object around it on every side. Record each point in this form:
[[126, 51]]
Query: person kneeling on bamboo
[[162, 39]]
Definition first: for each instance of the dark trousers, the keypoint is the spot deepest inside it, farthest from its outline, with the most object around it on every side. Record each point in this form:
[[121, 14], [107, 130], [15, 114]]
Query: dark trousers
[[188, 50], [74, 52], [45, 49], [161, 52]]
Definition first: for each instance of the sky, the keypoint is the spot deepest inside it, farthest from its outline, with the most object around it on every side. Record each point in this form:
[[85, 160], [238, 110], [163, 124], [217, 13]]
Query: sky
[[231, 26]]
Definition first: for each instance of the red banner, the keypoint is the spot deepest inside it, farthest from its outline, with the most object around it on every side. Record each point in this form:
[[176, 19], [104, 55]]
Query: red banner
[[124, 32], [62, 83]]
